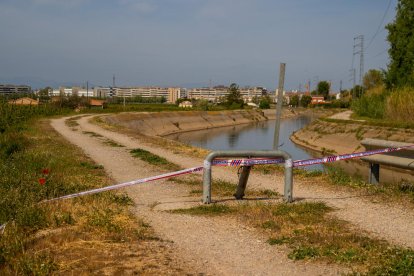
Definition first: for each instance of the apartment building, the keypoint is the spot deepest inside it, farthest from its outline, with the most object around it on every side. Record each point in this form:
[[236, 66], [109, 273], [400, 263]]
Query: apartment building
[[103, 92], [8, 89], [72, 91], [171, 94], [217, 93]]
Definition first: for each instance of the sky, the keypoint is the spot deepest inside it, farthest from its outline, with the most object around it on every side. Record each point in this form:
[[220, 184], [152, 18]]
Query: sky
[[189, 43]]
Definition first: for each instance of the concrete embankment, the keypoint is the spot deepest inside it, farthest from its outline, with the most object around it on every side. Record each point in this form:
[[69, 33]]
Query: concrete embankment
[[346, 136], [165, 123]]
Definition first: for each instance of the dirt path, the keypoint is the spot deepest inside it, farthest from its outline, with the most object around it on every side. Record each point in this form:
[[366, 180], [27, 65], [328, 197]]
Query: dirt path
[[212, 245], [219, 247]]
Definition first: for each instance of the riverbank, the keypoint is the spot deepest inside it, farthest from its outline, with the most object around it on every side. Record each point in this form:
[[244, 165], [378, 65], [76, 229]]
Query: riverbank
[[167, 123], [345, 136]]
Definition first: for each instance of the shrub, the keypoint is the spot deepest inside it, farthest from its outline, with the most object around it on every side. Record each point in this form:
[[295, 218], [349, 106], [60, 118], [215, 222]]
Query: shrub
[[370, 105]]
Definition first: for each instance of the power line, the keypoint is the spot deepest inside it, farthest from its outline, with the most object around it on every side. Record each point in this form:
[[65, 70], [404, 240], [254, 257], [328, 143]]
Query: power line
[[380, 54], [379, 26]]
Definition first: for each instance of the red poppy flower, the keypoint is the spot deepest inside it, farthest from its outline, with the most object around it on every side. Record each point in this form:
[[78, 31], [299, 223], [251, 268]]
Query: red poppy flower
[[42, 181], [45, 171]]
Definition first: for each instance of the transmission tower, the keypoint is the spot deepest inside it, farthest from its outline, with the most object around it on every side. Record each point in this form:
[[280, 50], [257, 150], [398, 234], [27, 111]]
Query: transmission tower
[[359, 50]]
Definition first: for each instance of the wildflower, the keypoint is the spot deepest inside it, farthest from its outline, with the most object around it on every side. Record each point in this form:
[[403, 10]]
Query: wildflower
[[42, 181]]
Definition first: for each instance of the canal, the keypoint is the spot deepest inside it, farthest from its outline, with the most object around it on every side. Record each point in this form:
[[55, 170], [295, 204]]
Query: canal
[[258, 136]]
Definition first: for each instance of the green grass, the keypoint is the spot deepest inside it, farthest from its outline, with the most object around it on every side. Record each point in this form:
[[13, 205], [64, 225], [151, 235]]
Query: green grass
[[113, 143], [205, 210], [92, 134], [154, 159]]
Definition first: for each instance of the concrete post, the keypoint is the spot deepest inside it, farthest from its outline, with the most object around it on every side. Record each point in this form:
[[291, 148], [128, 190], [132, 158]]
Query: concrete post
[[374, 170]]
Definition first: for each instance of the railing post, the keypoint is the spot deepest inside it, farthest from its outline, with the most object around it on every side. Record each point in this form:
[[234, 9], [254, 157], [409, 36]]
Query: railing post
[[207, 181], [288, 192], [288, 187]]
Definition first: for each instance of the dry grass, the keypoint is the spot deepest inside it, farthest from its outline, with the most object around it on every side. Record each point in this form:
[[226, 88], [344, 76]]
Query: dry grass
[[88, 235], [400, 105], [223, 189]]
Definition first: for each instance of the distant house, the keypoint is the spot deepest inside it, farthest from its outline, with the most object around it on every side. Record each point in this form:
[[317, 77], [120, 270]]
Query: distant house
[[318, 100], [24, 101], [97, 103], [186, 104]]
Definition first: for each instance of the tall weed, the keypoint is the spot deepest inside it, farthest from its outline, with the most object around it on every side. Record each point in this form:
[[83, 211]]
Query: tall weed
[[400, 105], [370, 105]]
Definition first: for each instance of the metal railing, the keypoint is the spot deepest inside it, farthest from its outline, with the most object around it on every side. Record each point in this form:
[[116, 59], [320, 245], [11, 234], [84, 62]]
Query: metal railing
[[288, 188]]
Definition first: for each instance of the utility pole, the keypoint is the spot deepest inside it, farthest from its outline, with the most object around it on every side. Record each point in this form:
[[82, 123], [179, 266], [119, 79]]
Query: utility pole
[[87, 90], [279, 105]]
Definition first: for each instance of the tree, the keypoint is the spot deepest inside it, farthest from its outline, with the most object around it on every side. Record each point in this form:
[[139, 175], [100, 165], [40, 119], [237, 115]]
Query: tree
[[234, 96], [305, 100], [294, 101], [401, 39], [323, 89], [44, 94], [373, 78], [264, 102]]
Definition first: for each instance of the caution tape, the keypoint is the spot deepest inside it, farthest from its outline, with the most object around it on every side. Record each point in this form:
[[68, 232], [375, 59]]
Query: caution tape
[[234, 162], [130, 183]]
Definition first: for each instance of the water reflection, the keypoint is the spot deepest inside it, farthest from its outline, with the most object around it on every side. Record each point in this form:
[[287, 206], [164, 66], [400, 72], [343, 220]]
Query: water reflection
[[232, 138]]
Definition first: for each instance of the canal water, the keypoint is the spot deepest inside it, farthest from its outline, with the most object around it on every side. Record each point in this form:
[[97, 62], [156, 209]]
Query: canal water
[[258, 136]]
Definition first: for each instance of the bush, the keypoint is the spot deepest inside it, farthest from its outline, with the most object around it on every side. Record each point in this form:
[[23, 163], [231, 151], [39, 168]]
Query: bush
[[264, 104], [370, 105]]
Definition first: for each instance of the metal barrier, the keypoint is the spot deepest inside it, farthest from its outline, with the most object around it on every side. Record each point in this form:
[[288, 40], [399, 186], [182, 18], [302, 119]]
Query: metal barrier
[[246, 171], [403, 159]]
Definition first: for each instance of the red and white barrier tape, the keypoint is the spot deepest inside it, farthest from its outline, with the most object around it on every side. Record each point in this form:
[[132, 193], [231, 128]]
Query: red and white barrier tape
[[235, 162], [130, 183]]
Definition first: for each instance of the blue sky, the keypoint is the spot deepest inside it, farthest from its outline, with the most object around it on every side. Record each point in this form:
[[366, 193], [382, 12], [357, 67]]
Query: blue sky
[[187, 42]]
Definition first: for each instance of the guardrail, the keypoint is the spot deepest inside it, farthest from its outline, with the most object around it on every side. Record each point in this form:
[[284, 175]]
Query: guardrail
[[403, 159], [246, 171]]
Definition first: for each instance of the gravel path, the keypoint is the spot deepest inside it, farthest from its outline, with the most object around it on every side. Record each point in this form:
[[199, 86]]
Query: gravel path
[[212, 245], [226, 247]]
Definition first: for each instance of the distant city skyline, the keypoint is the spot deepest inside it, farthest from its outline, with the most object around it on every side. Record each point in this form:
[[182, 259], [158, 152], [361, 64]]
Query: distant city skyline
[[189, 43]]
